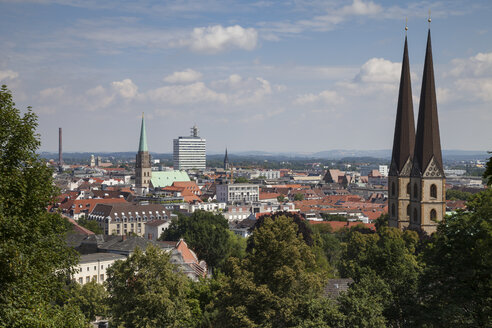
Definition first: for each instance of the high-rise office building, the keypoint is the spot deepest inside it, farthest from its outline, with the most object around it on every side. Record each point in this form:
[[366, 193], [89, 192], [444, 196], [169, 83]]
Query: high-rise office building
[[190, 152]]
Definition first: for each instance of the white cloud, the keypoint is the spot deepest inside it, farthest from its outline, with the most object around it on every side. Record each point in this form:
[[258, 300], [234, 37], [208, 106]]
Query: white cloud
[[267, 114], [241, 91], [186, 94], [479, 88], [186, 76], [8, 75], [359, 7], [479, 65], [97, 98], [331, 17], [379, 70], [214, 39], [55, 93], [327, 97], [126, 88]]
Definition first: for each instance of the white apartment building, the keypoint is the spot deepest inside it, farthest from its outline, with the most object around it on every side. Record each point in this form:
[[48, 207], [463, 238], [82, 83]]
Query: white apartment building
[[94, 266], [255, 174], [189, 152], [237, 192], [383, 170]]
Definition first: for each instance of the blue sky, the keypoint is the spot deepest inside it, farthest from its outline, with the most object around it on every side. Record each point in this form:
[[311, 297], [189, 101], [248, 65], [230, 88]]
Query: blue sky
[[301, 76]]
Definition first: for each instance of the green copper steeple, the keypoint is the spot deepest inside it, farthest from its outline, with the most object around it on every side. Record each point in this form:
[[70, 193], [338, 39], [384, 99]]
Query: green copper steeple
[[143, 137]]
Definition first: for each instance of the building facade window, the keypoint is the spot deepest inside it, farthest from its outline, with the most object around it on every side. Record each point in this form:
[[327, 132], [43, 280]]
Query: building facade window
[[393, 189], [433, 214], [415, 215], [408, 189], [415, 190], [433, 191]]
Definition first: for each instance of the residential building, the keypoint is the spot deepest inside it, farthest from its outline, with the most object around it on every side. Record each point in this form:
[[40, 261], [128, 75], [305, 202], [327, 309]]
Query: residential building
[[189, 152], [92, 267], [100, 252], [383, 170], [124, 219], [237, 193], [155, 228]]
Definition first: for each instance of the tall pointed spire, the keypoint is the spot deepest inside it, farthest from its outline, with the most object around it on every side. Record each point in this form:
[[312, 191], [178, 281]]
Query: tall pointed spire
[[404, 138], [427, 141], [226, 161], [143, 137]]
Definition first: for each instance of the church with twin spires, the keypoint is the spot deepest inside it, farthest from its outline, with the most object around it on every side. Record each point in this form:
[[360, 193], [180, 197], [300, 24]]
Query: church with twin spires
[[416, 181]]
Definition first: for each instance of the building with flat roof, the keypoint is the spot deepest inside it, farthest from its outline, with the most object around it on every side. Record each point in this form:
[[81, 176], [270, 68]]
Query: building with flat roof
[[190, 152], [238, 193]]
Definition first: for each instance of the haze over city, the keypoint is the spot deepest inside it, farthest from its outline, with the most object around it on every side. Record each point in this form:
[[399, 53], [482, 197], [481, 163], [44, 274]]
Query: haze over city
[[301, 76]]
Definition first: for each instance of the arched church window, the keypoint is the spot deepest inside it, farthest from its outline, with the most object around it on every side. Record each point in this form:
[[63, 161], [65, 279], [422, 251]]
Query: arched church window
[[433, 191], [433, 214], [408, 189], [415, 190]]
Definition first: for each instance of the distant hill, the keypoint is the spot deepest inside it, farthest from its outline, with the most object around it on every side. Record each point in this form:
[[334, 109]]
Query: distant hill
[[335, 154]]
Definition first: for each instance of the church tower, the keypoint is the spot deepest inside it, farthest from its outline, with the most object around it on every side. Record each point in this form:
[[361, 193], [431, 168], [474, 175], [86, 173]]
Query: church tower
[[427, 180], [402, 155], [226, 161], [143, 170]]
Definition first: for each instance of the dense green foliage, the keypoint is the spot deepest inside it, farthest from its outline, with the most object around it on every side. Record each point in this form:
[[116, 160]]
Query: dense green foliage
[[487, 175], [298, 197], [274, 284], [91, 298], [146, 291], [90, 224], [456, 285], [453, 194], [34, 261], [207, 234], [241, 180]]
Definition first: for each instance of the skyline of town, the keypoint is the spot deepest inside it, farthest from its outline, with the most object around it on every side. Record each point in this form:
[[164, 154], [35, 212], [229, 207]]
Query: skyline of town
[[266, 77]]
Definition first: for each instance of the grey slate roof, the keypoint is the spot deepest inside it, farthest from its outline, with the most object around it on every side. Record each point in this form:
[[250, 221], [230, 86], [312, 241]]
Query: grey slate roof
[[404, 138], [88, 258], [129, 209]]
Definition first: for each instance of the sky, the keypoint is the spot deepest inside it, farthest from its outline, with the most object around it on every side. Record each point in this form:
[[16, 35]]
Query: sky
[[278, 76]]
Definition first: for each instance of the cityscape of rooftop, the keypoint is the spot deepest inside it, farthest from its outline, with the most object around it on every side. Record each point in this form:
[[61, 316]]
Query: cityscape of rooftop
[[337, 171]]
